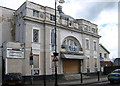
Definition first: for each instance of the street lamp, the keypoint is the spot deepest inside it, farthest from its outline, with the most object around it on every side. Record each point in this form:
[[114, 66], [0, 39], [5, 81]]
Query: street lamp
[[55, 53]]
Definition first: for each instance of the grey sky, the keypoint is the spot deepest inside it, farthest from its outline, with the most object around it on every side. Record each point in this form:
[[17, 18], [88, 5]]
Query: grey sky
[[93, 9]]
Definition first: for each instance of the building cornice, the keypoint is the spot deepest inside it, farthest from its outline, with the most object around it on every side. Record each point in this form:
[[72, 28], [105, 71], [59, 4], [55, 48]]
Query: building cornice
[[91, 34], [60, 26]]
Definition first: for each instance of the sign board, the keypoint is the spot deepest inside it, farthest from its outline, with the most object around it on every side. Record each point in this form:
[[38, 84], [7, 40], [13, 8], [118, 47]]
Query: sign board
[[36, 71], [55, 59], [101, 59], [71, 48], [15, 52]]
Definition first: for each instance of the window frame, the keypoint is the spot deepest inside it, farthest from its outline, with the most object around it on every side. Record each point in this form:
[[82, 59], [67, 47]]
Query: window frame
[[94, 45], [38, 54], [93, 30], [52, 17], [35, 28], [34, 55], [95, 62], [100, 54], [86, 28], [87, 47], [105, 55], [36, 13]]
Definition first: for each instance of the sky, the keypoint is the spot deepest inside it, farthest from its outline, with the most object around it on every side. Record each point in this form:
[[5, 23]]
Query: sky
[[104, 13]]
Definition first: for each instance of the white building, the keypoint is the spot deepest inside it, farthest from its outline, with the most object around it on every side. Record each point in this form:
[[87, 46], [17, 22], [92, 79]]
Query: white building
[[32, 25]]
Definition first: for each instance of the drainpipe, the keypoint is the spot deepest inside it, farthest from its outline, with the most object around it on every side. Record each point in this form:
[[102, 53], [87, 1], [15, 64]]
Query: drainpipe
[[2, 71], [44, 50], [3, 61]]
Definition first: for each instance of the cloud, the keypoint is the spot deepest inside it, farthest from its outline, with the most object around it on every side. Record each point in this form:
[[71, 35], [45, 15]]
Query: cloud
[[109, 38], [92, 10]]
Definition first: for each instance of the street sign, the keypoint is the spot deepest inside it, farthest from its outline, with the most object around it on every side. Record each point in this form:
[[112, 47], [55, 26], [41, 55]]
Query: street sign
[[101, 59], [55, 59]]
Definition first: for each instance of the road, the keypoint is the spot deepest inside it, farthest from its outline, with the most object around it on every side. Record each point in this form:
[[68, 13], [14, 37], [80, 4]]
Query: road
[[106, 83]]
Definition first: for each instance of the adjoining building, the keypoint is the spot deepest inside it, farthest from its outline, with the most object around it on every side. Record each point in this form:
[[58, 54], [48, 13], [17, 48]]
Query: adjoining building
[[104, 57], [32, 25]]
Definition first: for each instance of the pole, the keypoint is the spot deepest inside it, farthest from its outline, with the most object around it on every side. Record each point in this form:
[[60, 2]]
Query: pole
[[31, 63], [56, 84], [98, 76], [81, 78], [55, 29], [31, 76]]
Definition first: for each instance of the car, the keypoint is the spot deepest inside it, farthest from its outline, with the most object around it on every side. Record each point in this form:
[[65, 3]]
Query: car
[[13, 79], [114, 76]]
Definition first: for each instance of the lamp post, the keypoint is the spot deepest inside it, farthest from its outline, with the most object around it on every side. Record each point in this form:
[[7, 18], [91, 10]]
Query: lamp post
[[55, 53]]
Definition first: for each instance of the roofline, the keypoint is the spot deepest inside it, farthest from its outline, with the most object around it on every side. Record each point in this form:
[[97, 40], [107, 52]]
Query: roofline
[[7, 8], [21, 5], [104, 48], [87, 21]]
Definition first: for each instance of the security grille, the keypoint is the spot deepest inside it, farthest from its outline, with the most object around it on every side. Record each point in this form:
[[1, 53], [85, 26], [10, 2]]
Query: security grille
[[35, 35]]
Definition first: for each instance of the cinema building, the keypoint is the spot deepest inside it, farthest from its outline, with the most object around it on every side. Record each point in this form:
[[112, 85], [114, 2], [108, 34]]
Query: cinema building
[[32, 25]]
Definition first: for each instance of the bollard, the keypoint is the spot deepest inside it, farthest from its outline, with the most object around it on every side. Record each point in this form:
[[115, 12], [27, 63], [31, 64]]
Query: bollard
[[98, 76], [81, 78]]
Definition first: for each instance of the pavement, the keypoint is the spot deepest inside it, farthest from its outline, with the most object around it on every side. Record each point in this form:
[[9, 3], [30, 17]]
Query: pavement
[[86, 81]]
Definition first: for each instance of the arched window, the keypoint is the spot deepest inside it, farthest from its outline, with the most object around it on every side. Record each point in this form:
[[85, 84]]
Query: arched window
[[71, 44]]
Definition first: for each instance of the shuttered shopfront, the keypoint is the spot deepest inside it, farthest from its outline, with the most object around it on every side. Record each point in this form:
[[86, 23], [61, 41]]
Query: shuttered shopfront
[[70, 66]]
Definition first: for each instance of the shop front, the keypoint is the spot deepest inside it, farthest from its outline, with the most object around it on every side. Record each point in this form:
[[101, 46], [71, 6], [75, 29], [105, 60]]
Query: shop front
[[72, 63]]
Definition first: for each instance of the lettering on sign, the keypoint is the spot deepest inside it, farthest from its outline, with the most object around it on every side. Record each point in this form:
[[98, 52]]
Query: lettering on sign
[[15, 53]]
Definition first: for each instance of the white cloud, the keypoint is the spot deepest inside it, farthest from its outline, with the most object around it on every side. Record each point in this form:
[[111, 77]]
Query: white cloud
[[107, 17], [109, 32], [109, 39]]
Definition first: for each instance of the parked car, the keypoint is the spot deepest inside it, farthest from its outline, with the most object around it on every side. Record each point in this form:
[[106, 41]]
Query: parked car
[[114, 76], [13, 79]]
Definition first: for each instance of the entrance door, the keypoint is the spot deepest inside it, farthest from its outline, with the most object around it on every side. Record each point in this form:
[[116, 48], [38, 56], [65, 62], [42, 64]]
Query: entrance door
[[71, 66]]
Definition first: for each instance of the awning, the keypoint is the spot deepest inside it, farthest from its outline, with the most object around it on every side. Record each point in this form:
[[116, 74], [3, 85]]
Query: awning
[[69, 56]]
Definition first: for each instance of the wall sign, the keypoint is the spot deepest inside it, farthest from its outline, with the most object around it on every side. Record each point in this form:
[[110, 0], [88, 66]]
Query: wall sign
[[15, 52], [71, 48]]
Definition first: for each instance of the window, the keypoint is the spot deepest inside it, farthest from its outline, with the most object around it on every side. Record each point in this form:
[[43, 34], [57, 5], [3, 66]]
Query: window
[[86, 28], [88, 63], [36, 61], [53, 39], [70, 24], [87, 44], [95, 62], [35, 35], [100, 54], [72, 46], [52, 17], [36, 13], [105, 55], [95, 46], [93, 30], [21, 14], [71, 42]]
